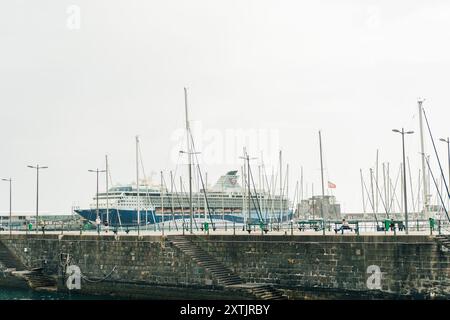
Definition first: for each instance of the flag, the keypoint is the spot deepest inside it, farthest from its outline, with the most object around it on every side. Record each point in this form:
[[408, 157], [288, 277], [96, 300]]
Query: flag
[[331, 185]]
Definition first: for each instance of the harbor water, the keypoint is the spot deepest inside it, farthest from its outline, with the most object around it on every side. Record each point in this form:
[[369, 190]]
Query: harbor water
[[25, 294]]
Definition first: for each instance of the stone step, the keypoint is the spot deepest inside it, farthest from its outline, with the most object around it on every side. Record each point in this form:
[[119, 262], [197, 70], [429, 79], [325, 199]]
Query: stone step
[[221, 273]]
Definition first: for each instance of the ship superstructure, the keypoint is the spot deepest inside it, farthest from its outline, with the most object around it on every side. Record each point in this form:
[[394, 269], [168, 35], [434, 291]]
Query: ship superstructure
[[225, 201]]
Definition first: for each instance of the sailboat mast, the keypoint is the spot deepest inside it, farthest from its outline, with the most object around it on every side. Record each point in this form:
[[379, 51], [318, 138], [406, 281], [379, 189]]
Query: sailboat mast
[[107, 189], [287, 188], [162, 202], [376, 183], [205, 205], [137, 183], [323, 187], [248, 192], [189, 158], [372, 190], [362, 191], [301, 183], [281, 188], [422, 151]]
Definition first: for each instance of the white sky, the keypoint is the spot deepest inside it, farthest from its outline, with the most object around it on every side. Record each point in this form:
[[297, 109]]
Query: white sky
[[353, 69]]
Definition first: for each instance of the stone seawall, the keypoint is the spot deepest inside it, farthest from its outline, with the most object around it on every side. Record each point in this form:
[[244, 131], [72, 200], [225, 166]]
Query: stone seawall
[[134, 267], [410, 266], [302, 266]]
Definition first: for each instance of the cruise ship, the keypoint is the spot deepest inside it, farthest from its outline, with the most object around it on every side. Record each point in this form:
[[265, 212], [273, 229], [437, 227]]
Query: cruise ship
[[226, 201]]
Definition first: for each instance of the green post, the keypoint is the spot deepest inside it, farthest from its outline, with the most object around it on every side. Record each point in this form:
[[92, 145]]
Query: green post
[[357, 228], [386, 225], [431, 225]]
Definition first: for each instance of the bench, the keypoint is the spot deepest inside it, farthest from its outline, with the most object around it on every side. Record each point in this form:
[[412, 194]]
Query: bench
[[261, 225], [315, 225], [347, 227]]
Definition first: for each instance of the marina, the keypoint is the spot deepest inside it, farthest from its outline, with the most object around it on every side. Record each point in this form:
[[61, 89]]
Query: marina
[[247, 152]]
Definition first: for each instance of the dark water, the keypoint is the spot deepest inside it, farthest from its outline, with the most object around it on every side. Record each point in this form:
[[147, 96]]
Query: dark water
[[24, 294]]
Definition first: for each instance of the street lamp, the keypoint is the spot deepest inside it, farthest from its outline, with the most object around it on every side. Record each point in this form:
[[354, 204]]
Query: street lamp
[[10, 202], [37, 167], [97, 171], [448, 148], [404, 174]]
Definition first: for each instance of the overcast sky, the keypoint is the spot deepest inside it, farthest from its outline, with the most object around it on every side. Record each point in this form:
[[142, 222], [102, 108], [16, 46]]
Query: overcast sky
[[73, 90]]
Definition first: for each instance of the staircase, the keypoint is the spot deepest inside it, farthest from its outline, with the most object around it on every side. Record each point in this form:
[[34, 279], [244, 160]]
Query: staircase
[[8, 260], [221, 273], [35, 278], [267, 292], [444, 241]]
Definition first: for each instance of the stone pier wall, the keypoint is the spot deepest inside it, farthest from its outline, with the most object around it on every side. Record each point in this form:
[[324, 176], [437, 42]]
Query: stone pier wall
[[303, 266], [410, 266]]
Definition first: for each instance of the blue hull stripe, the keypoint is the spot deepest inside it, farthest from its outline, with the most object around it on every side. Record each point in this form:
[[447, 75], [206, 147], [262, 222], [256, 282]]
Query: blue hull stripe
[[119, 217]]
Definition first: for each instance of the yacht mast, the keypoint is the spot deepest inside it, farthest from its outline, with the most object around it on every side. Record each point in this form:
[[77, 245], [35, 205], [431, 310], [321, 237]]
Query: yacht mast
[[422, 151], [137, 184], [189, 158], [107, 189], [323, 187], [281, 189], [162, 202]]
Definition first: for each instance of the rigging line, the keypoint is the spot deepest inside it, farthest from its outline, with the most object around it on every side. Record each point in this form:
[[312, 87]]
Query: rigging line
[[437, 189], [436, 153], [176, 166], [370, 201], [178, 200], [269, 196], [258, 211], [381, 196], [411, 186], [419, 182], [201, 179], [394, 191], [282, 195], [193, 215], [274, 190], [171, 196], [117, 210], [175, 188], [149, 198]]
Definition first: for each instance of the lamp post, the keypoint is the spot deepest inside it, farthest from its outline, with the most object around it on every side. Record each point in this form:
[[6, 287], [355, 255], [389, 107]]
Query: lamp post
[[37, 167], [403, 132], [97, 171], [10, 202]]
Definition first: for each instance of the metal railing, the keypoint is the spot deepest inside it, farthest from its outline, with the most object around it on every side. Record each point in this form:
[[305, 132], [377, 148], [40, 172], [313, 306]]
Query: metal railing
[[294, 227]]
